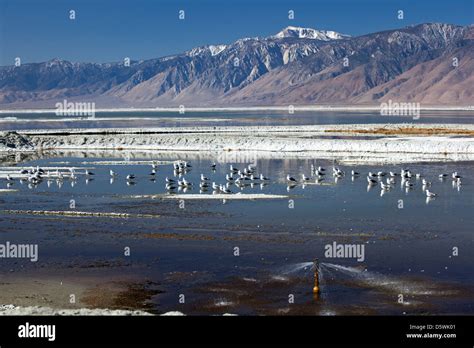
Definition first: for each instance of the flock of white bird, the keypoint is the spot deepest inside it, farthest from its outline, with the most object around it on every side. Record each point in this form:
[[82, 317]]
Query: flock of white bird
[[386, 180], [241, 178], [36, 175], [248, 176]]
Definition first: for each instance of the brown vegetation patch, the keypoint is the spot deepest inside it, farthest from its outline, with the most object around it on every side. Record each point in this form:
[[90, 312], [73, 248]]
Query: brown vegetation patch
[[406, 131]]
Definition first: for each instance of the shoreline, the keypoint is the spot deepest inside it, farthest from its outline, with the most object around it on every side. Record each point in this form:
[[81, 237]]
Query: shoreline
[[248, 108], [95, 295], [319, 129]]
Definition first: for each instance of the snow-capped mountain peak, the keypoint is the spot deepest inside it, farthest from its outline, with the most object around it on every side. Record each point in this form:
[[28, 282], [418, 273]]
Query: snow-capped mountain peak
[[213, 49], [309, 33]]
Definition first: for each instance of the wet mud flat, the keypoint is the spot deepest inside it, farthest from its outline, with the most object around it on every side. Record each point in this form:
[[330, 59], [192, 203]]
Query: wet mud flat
[[167, 262]]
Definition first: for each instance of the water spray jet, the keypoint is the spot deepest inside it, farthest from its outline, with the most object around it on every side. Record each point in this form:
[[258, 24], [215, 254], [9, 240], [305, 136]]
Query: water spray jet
[[316, 288]]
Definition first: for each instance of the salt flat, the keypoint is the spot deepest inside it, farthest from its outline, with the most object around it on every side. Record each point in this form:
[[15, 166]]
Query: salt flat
[[404, 141]]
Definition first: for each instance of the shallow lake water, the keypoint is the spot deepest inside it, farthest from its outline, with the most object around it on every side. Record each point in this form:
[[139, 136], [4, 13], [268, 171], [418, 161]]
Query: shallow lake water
[[214, 118], [254, 256]]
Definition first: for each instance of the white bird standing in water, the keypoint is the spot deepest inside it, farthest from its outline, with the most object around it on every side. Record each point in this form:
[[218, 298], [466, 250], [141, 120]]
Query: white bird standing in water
[[290, 179], [320, 173], [371, 181], [337, 171], [224, 189], [430, 194], [186, 183], [254, 178], [170, 187], [112, 173]]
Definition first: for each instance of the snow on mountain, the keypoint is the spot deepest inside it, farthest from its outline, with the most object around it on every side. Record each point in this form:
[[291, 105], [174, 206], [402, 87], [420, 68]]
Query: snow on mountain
[[213, 49], [309, 33]]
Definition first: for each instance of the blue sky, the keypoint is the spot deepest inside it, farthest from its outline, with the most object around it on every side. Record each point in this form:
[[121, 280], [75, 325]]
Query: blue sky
[[108, 30]]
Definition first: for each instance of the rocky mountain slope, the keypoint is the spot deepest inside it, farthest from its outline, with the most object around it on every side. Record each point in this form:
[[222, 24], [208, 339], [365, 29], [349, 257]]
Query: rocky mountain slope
[[429, 63]]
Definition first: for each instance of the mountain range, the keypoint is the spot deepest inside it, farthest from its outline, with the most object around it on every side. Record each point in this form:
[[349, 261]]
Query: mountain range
[[431, 63]]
